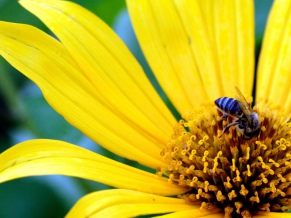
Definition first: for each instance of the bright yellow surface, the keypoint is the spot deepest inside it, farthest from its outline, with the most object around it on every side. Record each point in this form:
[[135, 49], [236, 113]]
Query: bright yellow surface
[[197, 50], [272, 215], [43, 157], [125, 203], [197, 212], [274, 70], [120, 82], [45, 61]]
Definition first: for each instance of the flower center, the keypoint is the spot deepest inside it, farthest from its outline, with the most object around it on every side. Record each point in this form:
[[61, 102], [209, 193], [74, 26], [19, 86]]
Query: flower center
[[240, 176]]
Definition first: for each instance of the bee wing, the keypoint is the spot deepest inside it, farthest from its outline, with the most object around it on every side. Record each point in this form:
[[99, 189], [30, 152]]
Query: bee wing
[[242, 99], [243, 104]]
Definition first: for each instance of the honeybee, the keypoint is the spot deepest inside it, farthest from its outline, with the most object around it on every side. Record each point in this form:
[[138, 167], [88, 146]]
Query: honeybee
[[246, 121]]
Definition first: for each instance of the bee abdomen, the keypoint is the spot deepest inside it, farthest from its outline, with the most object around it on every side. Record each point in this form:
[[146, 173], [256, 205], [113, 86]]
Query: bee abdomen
[[228, 105]]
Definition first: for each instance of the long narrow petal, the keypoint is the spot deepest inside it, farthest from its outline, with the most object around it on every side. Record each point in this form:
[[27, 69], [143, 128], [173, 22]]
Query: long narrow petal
[[230, 25], [170, 50], [274, 70], [120, 82], [191, 62], [197, 212], [126, 203], [45, 61], [43, 157], [272, 215]]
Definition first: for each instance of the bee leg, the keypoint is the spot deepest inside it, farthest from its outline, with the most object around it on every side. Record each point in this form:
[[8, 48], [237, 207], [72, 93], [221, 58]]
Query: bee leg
[[230, 125], [224, 116]]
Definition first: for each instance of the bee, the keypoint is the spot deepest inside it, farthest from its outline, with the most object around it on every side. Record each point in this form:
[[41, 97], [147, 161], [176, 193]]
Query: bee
[[246, 120]]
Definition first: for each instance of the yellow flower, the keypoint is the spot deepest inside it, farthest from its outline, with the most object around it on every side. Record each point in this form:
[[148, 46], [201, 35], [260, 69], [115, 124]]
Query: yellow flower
[[198, 50]]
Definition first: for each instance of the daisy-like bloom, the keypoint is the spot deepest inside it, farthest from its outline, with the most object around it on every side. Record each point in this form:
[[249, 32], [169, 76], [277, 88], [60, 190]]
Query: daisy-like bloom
[[198, 50]]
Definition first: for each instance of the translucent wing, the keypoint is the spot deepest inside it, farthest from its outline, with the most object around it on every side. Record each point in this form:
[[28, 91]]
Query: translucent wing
[[243, 104]]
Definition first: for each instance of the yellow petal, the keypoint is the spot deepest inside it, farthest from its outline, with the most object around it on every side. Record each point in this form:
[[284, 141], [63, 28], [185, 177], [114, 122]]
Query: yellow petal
[[274, 70], [230, 25], [191, 63], [272, 215], [120, 82], [198, 213], [169, 49], [125, 203], [43, 157], [45, 61]]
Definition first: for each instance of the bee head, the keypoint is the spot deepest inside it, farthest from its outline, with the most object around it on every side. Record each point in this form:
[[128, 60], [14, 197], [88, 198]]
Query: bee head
[[254, 121]]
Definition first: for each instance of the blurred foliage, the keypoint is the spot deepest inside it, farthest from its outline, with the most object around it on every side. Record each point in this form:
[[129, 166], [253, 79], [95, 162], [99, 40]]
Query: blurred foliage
[[262, 8], [29, 198], [23, 113]]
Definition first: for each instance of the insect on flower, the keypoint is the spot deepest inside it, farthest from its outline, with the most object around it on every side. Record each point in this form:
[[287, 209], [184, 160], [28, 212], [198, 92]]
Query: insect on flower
[[246, 120]]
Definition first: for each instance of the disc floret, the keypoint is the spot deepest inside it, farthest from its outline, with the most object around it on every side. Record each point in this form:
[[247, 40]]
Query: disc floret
[[242, 177]]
